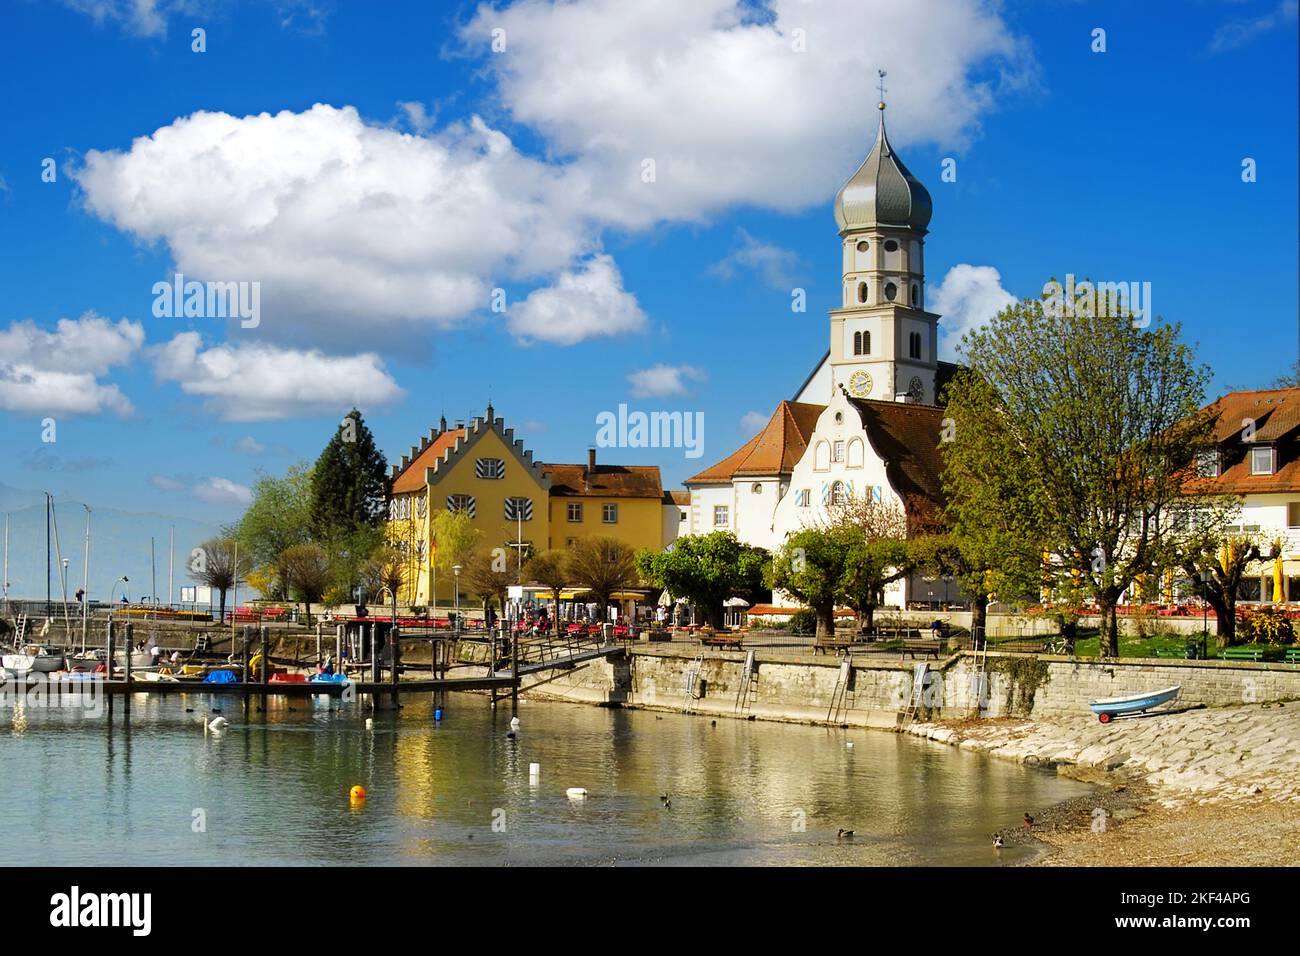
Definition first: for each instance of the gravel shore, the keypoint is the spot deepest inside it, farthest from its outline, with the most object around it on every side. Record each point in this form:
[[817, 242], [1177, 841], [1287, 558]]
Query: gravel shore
[[1206, 787]]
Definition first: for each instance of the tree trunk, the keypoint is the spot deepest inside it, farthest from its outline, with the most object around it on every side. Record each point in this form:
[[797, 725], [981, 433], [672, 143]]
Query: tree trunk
[[1225, 616], [979, 610], [871, 616], [1109, 637], [717, 619], [825, 622], [555, 594], [220, 620]]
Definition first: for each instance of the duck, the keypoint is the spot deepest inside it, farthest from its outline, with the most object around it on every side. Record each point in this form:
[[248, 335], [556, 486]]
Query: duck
[[997, 841], [844, 835], [1029, 822]]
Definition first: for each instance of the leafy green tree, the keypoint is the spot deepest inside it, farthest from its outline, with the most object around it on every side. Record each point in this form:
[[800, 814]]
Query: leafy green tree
[[811, 566], [454, 539], [349, 483], [875, 534], [1216, 560], [602, 565], [1072, 435], [706, 570], [277, 519]]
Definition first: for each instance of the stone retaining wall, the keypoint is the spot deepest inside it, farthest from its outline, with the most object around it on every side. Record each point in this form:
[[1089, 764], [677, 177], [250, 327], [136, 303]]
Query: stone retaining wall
[[791, 688]]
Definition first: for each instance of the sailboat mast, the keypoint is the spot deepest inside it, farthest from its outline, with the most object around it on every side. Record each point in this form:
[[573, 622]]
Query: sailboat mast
[[48, 604], [171, 563], [85, 583], [63, 573]]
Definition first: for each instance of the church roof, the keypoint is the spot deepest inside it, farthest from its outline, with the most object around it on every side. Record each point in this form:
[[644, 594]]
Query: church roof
[[773, 451], [883, 192], [906, 437]]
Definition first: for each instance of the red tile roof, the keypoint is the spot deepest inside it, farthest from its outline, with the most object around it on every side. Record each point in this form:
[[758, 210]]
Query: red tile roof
[[906, 437], [1275, 414], [411, 478], [608, 481], [773, 451]]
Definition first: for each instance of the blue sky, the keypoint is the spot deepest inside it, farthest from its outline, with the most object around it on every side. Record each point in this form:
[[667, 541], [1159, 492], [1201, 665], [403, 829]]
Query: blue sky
[[436, 170]]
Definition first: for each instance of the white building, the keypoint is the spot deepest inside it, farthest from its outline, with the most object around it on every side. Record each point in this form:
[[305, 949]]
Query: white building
[[866, 420]]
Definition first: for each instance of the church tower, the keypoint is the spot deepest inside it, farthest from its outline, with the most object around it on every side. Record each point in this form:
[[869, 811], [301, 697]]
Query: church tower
[[883, 342]]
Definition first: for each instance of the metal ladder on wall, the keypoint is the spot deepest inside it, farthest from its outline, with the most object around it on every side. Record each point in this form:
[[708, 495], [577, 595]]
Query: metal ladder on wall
[[692, 679], [919, 674], [980, 646], [21, 629], [841, 697], [748, 689]]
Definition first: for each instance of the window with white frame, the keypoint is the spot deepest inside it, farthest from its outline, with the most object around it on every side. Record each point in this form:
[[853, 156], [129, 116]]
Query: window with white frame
[[574, 512], [838, 451], [803, 498], [720, 516], [1261, 460], [609, 514]]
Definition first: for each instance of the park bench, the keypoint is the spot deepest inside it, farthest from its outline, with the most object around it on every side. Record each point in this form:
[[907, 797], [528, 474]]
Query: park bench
[[826, 645], [1292, 655], [1247, 653], [912, 648], [723, 640]]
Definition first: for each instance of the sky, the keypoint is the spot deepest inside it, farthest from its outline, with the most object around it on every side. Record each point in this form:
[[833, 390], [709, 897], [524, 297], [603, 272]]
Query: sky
[[561, 208]]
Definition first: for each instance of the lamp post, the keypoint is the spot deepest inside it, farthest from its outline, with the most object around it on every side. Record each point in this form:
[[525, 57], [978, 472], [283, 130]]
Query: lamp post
[[1205, 611], [456, 570]]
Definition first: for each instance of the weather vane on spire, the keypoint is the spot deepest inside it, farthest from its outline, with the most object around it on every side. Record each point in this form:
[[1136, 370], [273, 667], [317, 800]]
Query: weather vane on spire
[[880, 85]]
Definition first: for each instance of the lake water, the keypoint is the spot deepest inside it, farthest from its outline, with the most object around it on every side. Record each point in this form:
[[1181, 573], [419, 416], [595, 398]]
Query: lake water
[[272, 788]]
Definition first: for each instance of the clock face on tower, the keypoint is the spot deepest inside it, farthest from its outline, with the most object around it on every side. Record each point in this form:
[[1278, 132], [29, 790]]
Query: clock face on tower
[[859, 384], [915, 388]]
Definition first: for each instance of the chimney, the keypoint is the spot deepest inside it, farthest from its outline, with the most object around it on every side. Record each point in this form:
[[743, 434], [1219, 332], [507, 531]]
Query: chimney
[[591, 461]]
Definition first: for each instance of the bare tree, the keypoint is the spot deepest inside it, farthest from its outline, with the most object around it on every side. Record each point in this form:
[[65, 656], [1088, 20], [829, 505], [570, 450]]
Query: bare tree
[[307, 573], [603, 565], [215, 565], [550, 570]]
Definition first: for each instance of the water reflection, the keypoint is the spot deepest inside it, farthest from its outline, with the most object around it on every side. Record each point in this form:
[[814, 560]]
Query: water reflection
[[273, 786]]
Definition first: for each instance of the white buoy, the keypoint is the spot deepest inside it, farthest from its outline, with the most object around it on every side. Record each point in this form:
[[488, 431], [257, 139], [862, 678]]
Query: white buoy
[[370, 723], [534, 773], [576, 793], [514, 723]]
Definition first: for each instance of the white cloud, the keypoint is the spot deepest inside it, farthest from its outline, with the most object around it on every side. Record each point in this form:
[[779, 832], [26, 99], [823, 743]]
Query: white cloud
[[341, 222], [967, 298], [58, 372], [774, 264], [222, 491], [259, 382], [166, 483], [146, 18], [751, 423], [660, 381], [723, 102], [249, 445], [1241, 31], [578, 306], [416, 115]]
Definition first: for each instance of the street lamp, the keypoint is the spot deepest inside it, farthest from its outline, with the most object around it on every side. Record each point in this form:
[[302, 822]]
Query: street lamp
[[1205, 610], [456, 570]]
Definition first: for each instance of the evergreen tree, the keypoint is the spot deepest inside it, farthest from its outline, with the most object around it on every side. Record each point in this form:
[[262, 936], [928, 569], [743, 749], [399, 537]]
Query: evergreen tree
[[349, 484]]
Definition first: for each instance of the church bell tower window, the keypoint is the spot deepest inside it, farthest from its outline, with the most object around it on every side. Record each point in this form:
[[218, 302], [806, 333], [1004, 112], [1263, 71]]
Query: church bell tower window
[[891, 291]]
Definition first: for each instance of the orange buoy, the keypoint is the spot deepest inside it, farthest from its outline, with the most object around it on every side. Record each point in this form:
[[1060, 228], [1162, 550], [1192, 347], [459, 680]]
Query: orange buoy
[[357, 794]]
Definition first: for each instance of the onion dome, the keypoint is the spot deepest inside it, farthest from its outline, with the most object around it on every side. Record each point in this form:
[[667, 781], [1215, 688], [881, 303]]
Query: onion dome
[[883, 192]]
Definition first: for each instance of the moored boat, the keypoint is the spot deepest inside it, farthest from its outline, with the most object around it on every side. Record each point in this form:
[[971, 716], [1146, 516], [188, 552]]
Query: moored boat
[[32, 658]]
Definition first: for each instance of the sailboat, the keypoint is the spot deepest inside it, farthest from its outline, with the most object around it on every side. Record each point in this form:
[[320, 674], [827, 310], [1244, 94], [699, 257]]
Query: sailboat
[[28, 658]]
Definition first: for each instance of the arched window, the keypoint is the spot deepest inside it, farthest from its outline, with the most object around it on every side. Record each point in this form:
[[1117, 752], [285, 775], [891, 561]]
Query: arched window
[[916, 295], [857, 343], [837, 493], [862, 292], [822, 456], [866, 343], [914, 345], [891, 291]]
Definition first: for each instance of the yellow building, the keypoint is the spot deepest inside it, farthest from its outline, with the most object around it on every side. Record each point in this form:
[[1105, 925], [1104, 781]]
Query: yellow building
[[479, 468], [615, 501]]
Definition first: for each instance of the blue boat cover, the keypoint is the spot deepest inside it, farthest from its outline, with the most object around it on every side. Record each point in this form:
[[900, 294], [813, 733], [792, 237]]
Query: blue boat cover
[[221, 677], [329, 678]]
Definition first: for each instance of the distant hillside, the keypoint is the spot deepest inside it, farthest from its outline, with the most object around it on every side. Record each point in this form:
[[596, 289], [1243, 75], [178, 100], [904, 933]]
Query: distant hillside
[[119, 545]]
